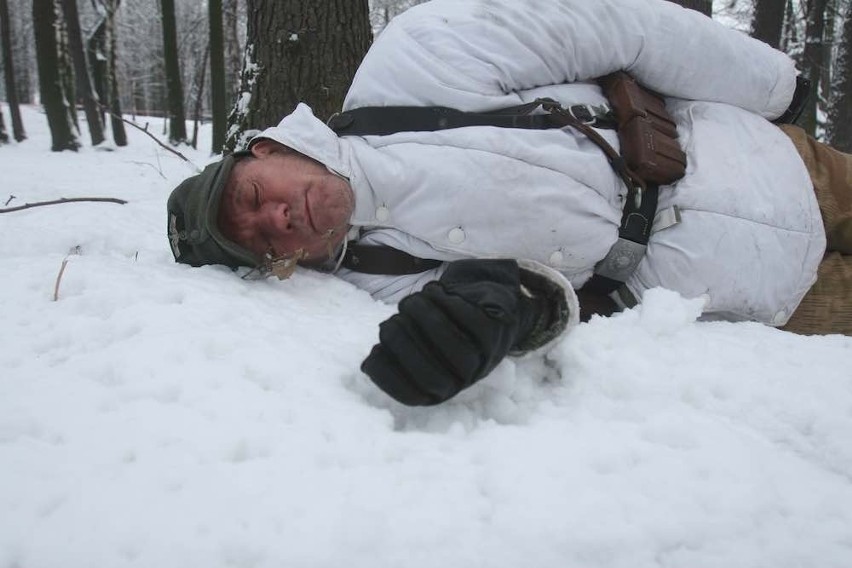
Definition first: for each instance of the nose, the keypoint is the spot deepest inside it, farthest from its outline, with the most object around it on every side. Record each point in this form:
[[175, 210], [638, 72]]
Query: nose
[[274, 218]]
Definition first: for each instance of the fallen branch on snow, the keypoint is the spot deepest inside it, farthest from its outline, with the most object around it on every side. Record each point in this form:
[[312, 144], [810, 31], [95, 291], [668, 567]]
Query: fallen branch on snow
[[63, 200], [154, 138]]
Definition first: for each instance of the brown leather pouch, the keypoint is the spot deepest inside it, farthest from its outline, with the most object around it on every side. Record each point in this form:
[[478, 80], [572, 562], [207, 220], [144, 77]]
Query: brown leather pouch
[[646, 131]]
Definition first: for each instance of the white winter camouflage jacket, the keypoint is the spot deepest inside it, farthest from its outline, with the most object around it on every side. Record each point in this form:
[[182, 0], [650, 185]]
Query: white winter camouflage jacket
[[751, 235]]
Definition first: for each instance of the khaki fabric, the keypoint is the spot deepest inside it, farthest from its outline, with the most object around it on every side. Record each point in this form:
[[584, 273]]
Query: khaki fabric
[[827, 307]]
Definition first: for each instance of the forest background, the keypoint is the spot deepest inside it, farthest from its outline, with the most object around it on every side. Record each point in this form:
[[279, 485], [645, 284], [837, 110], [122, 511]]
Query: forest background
[[243, 64]]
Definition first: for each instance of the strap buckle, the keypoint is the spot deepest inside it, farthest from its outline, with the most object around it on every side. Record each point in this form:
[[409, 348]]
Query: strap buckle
[[622, 260], [584, 113]]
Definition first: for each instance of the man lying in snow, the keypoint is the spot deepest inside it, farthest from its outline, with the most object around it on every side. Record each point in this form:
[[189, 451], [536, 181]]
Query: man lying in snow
[[741, 229]]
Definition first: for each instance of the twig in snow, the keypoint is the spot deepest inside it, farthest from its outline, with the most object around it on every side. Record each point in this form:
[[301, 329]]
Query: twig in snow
[[63, 200], [59, 279], [159, 171], [75, 250], [154, 138], [11, 197]]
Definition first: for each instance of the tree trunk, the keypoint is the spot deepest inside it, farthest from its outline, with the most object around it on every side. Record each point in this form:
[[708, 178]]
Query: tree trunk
[[233, 49], [84, 88], [4, 138], [119, 135], [768, 21], [9, 72], [66, 66], [22, 53], [177, 116], [199, 100], [297, 51], [840, 107], [217, 76], [789, 34], [828, 47], [812, 62], [63, 130], [96, 53], [703, 6]]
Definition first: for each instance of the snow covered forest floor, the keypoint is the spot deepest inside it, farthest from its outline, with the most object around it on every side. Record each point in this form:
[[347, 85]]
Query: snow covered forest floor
[[162, 416]]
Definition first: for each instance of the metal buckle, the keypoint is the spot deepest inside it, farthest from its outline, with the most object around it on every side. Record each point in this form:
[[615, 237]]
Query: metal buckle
[[588, 113], [621, 261]]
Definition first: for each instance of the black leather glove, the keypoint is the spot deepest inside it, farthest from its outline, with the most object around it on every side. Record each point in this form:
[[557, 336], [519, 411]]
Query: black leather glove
[[457, 329]]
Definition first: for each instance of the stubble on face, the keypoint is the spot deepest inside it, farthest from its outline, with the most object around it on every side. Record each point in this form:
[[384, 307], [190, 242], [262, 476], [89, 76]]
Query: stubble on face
[[280, 201]]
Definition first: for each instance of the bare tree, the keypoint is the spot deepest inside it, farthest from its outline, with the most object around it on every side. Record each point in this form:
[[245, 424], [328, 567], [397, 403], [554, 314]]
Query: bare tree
[[768, 21], [839, 128], [812, 61], [4, 137], [23, 56], [119, 134], [84, 87], [177, 116], [233, 46], [9, 72], [298, 51], [792, 31], [703, 6], [217, 75], [53, 87], [198, 87]]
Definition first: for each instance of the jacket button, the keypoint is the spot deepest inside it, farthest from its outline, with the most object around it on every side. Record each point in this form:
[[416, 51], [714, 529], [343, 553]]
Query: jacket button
[[556, 258], [382, 214], [456, 236]]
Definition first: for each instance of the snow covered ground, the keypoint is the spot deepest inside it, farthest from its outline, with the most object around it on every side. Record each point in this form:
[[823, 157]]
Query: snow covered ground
[[163, 416]]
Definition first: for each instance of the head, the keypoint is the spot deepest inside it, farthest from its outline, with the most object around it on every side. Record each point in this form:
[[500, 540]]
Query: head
[[270, 202]]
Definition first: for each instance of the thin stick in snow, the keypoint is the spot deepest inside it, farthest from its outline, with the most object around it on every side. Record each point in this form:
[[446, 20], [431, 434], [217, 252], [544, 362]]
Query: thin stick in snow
[[59, 279], [74, 250], [154, 138], [63, 200]]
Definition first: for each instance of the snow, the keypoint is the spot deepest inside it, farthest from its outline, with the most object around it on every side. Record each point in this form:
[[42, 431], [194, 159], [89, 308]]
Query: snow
[[159, 415]]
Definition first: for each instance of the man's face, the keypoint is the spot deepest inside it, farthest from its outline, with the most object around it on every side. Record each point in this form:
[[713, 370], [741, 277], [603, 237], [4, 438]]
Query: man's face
[[281, 202]]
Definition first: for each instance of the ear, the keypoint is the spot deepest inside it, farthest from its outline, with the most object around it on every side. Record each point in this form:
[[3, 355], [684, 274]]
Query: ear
[[265, 147]]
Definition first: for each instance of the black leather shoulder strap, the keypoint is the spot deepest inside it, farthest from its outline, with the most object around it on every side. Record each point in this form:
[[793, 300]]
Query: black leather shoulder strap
[[381, 121], [376, 259]]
